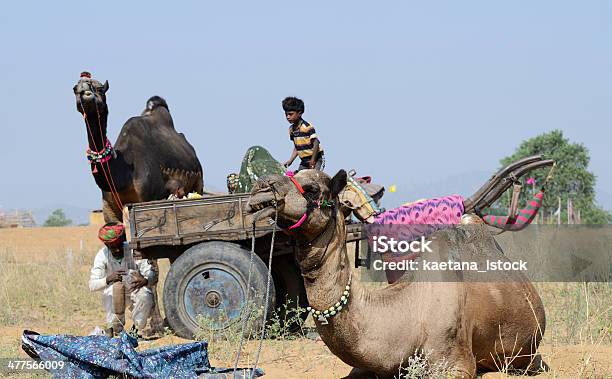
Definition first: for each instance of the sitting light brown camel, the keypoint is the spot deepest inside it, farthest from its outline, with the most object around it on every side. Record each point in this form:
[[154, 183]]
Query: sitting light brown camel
[[473, 326]]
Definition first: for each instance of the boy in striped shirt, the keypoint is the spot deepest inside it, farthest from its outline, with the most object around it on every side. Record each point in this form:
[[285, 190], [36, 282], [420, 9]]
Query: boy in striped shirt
[[304, 137]]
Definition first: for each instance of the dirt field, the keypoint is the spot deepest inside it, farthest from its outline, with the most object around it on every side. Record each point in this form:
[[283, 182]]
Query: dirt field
[[43, 287]]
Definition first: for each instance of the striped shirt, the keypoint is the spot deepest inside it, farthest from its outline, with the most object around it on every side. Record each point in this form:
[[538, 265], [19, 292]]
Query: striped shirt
[[303, 139]]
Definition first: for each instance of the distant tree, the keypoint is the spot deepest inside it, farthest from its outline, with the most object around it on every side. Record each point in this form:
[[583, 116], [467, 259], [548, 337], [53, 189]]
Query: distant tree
[[57, 218], [571, 177]]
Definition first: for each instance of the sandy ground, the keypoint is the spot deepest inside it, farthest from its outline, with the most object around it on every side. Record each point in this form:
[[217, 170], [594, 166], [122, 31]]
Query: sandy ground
[[299, 358], [305, 358]]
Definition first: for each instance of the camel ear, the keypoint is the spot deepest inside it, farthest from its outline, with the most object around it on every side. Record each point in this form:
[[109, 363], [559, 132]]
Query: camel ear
[[105, 87], [338, 183]]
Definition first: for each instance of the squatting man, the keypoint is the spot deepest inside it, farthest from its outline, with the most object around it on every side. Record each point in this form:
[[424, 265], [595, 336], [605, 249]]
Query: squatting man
[[123, 280]]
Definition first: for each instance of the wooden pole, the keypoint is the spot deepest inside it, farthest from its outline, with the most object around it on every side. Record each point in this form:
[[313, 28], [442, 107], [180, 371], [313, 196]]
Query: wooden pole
[[551, 218]]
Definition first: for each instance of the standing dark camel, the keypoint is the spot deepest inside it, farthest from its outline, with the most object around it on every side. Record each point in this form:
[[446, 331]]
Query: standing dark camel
[[473, 326], [148, 154], [146, 162]]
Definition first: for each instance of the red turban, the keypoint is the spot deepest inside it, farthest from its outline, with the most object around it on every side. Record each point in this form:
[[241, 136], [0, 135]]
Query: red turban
[[112, 233]]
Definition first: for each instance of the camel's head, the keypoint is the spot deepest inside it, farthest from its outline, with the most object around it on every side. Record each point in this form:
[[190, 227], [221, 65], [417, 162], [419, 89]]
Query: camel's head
[[317, 202], [91, 96]]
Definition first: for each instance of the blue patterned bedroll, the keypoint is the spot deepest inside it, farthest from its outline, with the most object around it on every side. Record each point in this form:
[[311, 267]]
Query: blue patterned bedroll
[[101, 356]]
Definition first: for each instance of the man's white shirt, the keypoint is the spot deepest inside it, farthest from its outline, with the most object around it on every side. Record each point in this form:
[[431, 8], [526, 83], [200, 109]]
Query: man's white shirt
[[105, 263]]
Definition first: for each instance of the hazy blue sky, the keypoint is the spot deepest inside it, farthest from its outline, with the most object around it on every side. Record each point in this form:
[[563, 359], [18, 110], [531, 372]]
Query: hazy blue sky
[[428, 95]]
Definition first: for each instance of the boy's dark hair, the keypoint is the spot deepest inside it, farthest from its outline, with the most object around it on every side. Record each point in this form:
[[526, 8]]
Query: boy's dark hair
[[293, 104]]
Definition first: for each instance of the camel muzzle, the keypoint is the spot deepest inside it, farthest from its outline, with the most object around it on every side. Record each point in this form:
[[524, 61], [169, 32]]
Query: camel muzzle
[[262, 204]]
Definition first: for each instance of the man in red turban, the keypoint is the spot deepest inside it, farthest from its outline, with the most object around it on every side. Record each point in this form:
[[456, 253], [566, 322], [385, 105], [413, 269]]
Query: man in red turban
[[123, 280]]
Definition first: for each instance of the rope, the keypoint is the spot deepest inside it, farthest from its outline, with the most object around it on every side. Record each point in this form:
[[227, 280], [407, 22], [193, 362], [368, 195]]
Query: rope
[[112, 181], [247, 307], [550, 175], [268, 282], [245, 316], [265, 315], [115, 195]]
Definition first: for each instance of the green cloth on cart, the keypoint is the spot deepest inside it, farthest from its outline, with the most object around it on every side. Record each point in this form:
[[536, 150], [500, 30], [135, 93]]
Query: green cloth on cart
[[257, 162]]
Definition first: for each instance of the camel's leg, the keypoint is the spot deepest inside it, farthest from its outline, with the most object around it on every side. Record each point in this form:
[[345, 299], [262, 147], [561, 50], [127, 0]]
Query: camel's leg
[[357, 373], [464, 365], [529, 365], [537, 366], [458, 360], [110, 211], [156, 322]]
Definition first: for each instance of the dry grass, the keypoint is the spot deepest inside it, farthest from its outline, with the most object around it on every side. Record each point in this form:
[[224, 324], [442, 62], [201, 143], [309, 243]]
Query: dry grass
[[43, 286], [577, 313], [420, 366], [44, 281]]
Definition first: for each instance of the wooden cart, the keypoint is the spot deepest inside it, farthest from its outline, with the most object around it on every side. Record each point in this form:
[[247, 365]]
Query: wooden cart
[[208, 242]]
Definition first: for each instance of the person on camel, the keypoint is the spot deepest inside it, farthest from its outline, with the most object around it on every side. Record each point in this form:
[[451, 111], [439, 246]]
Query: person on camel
[[305, 140], [123, 280]]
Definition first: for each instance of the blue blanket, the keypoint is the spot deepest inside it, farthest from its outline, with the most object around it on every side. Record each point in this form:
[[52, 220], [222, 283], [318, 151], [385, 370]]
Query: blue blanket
[[101, 356]]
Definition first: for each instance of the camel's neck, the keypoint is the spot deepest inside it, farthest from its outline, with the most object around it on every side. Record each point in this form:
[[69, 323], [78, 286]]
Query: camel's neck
[[325, 266], [96, 130], [369, 313], [115, 174], [326, 272]]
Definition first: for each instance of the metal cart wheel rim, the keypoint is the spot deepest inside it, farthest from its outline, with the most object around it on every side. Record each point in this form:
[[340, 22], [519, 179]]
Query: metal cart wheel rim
[[205, 291]]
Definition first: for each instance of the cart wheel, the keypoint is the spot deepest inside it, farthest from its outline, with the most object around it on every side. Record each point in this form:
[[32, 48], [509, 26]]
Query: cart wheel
[[209, 280], [290, 290]]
